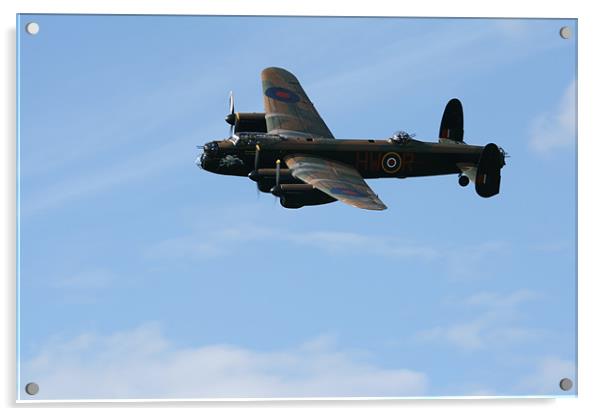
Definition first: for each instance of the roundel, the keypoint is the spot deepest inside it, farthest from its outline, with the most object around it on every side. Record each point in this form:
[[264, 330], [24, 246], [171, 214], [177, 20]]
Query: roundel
[[345, 192], [282, 94], [391, 162]]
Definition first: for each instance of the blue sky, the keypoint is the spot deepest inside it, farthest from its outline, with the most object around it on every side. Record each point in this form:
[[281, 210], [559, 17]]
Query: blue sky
[[136, 266]]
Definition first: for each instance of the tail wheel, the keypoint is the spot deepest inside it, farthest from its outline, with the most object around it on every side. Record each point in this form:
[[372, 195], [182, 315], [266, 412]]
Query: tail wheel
[[463, 180]]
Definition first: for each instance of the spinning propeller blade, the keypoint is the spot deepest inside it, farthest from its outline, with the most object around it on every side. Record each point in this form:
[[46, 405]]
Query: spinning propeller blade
[[231, 117], [231, 103], [256, 166], [276, 189]]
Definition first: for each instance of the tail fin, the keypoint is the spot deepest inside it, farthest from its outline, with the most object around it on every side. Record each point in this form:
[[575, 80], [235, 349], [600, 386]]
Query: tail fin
[[452, 122], [488, 177]]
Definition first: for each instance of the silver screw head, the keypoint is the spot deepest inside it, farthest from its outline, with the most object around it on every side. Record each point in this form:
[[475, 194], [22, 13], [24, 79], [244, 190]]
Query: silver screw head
[[565, 32], [566, 384], [32, 28], [32, 389]]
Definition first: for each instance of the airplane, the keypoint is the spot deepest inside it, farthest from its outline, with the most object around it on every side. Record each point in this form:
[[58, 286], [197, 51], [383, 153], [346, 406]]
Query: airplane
[[290, 152]]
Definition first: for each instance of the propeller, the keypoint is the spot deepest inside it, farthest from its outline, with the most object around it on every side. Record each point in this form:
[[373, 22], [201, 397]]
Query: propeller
[[231, 117], [256, 166], [254, 174], [276, 189]]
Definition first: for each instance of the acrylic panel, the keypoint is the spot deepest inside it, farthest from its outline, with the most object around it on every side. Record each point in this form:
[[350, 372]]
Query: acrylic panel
[[192, 226]]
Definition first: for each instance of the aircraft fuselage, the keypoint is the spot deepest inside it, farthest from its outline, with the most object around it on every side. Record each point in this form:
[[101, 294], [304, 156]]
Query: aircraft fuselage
[[371, 158]]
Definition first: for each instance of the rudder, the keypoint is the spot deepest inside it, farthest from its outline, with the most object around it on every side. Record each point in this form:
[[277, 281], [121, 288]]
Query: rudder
[[488, 179]]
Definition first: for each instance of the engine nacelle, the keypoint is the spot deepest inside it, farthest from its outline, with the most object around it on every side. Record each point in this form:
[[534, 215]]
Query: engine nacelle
[[250, 122], [266, 178], [266, 184], [300, 195]]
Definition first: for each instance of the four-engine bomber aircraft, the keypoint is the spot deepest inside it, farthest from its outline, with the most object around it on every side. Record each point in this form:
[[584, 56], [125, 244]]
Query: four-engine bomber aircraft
[[290, 152]]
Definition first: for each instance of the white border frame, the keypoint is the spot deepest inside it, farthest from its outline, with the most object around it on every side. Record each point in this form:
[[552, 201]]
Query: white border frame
[[588, 207]]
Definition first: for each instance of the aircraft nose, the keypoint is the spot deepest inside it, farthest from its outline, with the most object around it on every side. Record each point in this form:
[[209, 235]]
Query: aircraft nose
[[209, 158], [199, 160], [211, 148]]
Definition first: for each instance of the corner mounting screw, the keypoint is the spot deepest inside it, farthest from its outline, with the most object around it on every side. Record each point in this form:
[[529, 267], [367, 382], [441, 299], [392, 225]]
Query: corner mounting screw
[[565, 32], [32, 28], [566, 384], [32, 389]]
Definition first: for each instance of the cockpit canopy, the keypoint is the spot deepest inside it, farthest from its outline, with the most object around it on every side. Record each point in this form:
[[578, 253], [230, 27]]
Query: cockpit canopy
[[401, 136]]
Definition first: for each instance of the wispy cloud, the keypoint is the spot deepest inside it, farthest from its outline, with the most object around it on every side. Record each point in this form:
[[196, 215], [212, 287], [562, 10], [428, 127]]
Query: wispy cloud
[[139, 166], [208, 243], [557, 128], [106, 129], [419, 51], [81, 287], [142, 363], [479, 254], [493, 324], [551, 246], [222, 242], [353, 243], [499, 302], [546, 376], [404, 62], [88, 279], [185, 247]]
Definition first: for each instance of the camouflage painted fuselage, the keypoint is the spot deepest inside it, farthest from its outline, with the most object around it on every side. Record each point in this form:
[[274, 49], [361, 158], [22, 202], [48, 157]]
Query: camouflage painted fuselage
[[371, 158]]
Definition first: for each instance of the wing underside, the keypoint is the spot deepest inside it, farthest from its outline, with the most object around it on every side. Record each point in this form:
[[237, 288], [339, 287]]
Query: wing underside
[[336, 179], [288, 110]]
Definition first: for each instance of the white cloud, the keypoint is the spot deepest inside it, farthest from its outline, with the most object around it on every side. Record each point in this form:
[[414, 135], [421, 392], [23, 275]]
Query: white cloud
[[88, 279], [354, 243], [547, 375], [431, 47], [552, 246], [556, 129], [142, 363], [185, 247], [84, 287], [513, 28], [466, 335], [103, 129], [477, 267], [209, 243], [498, 302], [493, 324], [223, 241]]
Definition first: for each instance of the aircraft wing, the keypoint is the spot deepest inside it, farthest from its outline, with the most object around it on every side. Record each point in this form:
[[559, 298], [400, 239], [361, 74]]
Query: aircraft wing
[[288, 110], [336, 179]]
